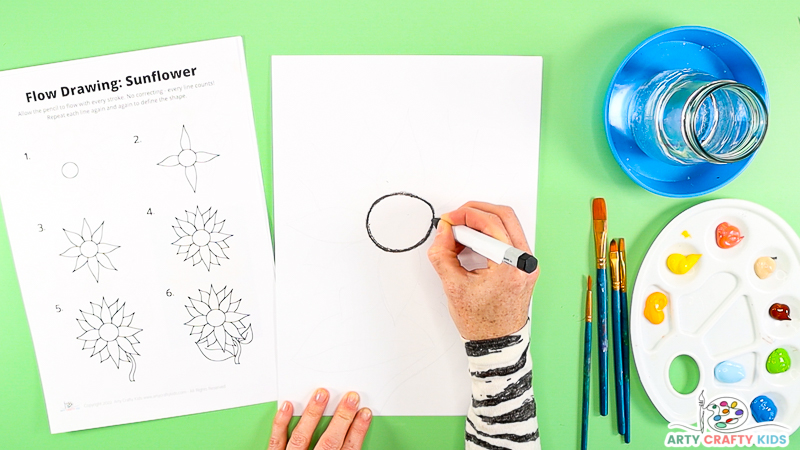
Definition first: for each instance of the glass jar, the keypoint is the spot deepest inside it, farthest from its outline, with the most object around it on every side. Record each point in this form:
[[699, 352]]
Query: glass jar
[[685, 117]]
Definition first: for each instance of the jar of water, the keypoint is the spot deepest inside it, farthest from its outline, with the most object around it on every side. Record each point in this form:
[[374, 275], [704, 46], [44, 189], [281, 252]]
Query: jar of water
[[685, 117]]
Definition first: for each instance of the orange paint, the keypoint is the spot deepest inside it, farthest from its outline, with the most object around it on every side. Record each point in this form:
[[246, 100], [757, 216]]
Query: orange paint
[[728, 235]]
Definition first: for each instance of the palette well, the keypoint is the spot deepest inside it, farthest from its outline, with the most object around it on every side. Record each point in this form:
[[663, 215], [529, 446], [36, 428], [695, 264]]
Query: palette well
[[718, 313]]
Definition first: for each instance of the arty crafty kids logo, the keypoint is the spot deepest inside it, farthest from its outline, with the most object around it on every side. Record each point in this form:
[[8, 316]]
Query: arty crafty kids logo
[[729, 422]]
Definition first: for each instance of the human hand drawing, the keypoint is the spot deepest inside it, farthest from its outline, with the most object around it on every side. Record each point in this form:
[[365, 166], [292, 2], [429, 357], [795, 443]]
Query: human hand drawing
[[346, 430], [484, 303]]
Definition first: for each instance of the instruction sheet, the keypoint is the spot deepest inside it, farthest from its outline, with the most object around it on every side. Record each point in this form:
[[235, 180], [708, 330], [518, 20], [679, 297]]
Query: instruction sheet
[[132, 191], [355, 312]]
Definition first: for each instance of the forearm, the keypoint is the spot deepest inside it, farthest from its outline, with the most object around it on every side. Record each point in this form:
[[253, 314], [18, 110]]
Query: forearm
[[502, 414]]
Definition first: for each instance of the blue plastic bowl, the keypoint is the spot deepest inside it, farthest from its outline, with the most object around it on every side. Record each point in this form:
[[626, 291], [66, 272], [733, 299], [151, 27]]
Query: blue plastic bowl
[[698, 48]]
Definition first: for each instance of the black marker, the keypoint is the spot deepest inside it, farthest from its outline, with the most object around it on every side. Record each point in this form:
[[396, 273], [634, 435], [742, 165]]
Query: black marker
[[492, 249]]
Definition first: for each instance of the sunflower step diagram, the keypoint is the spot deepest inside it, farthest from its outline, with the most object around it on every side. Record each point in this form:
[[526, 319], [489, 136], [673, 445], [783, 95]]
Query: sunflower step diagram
[[215, 318], [108, 333], [188, 159], [200, 238], [89, 250]]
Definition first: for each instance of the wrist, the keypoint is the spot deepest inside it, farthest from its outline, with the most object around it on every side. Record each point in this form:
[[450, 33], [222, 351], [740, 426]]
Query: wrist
[[487, 353]]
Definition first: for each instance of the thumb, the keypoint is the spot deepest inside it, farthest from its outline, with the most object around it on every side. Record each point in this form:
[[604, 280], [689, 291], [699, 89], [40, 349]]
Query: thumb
[[443, 253]]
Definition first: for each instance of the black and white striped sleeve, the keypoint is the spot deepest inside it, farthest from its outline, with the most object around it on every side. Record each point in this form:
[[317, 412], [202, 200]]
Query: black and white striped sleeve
[[502, 415]]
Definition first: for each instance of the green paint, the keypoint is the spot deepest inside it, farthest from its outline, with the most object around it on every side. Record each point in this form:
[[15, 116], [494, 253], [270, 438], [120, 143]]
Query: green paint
[[778, 361]]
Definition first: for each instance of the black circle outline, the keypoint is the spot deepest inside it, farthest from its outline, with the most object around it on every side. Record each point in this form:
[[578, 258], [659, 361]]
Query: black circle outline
[[394, 250]]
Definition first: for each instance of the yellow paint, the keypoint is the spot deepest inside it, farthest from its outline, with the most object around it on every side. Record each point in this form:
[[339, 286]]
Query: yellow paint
[[686, 234], [680, 264], [654, 307]]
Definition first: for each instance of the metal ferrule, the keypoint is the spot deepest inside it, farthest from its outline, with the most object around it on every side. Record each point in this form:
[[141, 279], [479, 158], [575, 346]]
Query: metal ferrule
[[623, 276], [600, 229], [588, 306], [614, 271]]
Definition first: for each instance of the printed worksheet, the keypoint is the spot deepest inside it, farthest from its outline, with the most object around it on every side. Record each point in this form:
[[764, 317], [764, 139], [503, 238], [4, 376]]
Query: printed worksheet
[[132, 191], [366, 150]]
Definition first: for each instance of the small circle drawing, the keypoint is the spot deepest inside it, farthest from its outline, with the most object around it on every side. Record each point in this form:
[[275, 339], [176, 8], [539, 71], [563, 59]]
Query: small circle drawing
[[396, 225], [69, 170]]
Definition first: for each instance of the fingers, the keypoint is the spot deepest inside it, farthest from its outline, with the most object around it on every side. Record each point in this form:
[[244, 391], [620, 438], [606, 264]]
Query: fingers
[[443, 253], [334, 435], [301, 436], [485, 222], [510, 222], [355, 436], [280, 427]]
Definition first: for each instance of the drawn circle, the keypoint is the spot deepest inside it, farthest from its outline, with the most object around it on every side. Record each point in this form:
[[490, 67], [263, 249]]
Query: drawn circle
[[187, 157], [399, 213], [89, 249], [215, 318], [201, 238], [69, 170], [108, 332]]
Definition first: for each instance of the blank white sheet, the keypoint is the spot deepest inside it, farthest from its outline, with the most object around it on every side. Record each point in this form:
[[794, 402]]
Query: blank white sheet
[[346, 131]]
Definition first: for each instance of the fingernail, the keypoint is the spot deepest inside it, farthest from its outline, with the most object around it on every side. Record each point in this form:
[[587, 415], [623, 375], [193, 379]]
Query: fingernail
[[321, 396], [366, 414], [285, 406], [352, 399]]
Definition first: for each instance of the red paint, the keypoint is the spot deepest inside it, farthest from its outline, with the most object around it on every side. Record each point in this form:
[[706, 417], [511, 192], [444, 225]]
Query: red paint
[[779, 311], [728, 235]]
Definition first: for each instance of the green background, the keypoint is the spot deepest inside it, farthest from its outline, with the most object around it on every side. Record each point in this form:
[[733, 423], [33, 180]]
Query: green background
[[582, 43]]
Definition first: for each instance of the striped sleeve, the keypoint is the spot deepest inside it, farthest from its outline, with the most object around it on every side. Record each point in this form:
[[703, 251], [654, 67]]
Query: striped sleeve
[[502, 415]]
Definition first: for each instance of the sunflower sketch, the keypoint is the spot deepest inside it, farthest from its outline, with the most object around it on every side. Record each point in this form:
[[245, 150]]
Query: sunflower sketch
[[108, 333], [200, 237], [89, 249], [219, 326], [187, 158]]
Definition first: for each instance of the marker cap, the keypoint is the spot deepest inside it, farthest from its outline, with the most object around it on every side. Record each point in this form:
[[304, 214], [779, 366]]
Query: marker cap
[[527, 262]]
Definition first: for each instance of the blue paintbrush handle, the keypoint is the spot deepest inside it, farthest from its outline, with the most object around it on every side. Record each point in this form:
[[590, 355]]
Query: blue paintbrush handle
[[626, 363], [587, 373], [602, 341], [618, 381]]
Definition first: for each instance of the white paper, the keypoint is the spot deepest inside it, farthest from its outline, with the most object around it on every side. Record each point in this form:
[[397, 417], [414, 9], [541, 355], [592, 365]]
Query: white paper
[[99, 180], [346, 131]]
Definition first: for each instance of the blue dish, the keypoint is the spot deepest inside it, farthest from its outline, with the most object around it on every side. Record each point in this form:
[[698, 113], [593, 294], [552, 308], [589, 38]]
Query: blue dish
[[692, 47]]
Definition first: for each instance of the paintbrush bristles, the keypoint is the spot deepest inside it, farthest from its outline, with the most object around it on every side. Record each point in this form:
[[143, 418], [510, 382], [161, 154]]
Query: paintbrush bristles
[[600, 231], [599, 209]]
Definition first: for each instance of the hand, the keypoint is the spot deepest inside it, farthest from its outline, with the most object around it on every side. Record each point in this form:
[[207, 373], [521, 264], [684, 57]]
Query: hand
[[484, 303], [346, 430]]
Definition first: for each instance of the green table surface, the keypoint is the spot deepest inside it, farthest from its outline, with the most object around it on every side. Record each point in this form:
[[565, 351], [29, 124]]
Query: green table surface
[[582, 43]]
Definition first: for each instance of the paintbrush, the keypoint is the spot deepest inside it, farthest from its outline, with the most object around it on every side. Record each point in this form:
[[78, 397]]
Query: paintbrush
[[617, 338], [626, 343], [587, 365], [600, 230]]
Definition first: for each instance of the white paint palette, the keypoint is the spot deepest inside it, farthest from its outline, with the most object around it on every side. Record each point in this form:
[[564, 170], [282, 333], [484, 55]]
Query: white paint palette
[[719, 310]]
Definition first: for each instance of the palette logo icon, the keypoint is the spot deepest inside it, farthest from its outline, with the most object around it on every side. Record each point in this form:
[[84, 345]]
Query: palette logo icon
[[728, 421], [726, 414]]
